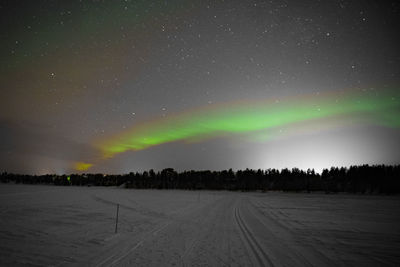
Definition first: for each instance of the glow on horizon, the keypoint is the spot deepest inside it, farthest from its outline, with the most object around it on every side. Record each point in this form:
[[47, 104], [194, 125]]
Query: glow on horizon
[[250, 117], [82, 166]]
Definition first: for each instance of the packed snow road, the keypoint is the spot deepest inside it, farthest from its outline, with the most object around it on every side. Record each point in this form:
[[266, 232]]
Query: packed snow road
[[75, 226]]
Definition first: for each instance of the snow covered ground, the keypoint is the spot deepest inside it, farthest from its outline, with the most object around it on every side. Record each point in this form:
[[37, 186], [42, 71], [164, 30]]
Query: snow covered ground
[[74, 226]]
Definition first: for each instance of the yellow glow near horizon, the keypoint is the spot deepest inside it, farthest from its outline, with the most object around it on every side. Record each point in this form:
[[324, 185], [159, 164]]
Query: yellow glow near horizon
[[82, 166]]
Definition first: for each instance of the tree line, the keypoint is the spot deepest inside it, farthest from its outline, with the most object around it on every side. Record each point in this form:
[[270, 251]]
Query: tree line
[[376, 179]]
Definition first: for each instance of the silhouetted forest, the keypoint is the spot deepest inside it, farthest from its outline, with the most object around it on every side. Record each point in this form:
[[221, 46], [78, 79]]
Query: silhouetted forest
[[377, 179]]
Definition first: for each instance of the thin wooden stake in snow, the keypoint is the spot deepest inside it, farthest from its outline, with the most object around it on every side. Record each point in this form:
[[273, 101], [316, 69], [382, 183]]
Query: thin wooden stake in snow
[[116, 221]]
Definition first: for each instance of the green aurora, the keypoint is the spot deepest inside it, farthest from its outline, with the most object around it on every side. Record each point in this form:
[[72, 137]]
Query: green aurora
[[253, 116]]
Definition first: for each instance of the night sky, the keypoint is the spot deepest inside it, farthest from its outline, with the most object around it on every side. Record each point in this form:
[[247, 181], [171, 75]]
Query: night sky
[[121, 86]]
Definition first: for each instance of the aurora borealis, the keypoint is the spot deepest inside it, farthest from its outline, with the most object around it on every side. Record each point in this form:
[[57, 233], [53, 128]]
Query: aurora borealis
[[250, 117], [120, 86]]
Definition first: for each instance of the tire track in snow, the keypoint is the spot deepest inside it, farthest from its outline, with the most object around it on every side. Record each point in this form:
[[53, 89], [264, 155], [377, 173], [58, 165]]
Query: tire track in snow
[[117, 257], [273, 222], [188, 250], [202, 222], [250, 240], [113, 259], [140, 211]]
